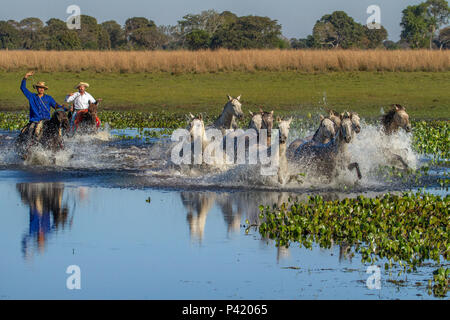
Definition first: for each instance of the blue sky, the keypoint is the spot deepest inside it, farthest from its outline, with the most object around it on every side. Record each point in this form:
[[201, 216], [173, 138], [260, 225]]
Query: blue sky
[[296, 16]]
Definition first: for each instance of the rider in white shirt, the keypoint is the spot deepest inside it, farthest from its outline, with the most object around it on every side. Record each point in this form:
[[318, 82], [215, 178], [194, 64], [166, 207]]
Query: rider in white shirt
[[80, 99]]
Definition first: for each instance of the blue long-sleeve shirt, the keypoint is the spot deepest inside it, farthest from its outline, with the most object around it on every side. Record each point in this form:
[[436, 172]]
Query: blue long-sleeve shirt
[[38, 110]]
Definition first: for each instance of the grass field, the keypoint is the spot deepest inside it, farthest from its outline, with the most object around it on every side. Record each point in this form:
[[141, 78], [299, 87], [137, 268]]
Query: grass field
[[182, 61], [425, 94]]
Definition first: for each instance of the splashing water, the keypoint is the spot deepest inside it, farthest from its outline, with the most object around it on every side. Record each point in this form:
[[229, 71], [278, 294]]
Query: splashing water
[[149, 164]]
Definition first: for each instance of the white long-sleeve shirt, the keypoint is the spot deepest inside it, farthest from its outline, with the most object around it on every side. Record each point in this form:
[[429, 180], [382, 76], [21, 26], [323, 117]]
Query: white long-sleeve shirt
[[80, 101]]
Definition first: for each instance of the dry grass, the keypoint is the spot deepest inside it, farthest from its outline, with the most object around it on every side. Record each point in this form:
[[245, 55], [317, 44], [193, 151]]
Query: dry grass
[[225, 60]]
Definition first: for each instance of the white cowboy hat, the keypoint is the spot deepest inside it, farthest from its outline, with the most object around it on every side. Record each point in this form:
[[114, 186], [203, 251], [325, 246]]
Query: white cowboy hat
[[82, 84]]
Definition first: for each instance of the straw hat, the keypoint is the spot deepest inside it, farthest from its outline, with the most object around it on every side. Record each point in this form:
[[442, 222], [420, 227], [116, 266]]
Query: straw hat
[[40, 84], [82, 84]]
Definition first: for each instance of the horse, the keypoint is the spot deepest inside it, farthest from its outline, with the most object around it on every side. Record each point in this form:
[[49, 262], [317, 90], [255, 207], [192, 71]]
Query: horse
[[327, 158], [46, 133], [395, 119], [231, 111], [392, 121], [87, 121], [283, 169], [327, 130], [262, 120], [197, 134]]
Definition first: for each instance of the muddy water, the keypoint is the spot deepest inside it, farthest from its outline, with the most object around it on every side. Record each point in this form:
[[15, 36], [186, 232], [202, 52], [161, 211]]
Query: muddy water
[[140, 228]]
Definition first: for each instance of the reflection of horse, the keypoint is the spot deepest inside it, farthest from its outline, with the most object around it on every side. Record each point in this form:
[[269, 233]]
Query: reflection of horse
[[327, 158], [47, 211], [198, 205], [46, 133]]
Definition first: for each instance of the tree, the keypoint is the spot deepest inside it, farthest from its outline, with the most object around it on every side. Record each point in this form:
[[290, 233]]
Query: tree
[[149, 38], [9, 36], [58, 37], [116, 33], [415, 26], [198, 39], [89, 33], [374, 38], [437, 13], [444, 38], [136, 23], [32, 36], [338, 30], [390, 45], [142, 33], [194, 30], [248, 32]]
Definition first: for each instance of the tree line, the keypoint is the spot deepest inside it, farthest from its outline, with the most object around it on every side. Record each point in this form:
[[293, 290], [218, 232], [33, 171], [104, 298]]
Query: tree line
[[423, 26]]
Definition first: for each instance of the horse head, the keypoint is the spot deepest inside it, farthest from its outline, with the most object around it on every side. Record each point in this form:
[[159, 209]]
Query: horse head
[[401, 118], [284, 126], [60, 118], [267, 122], [256, 121], [93, 109], [396, 118], [346, 129], [356, 122], [234, 106], [196, 127]]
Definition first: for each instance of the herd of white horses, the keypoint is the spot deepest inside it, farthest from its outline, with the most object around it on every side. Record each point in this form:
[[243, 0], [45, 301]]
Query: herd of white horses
[[325, 153]]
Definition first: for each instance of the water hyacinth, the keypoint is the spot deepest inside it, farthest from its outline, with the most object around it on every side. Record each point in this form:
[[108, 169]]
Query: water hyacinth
[[406, 229]]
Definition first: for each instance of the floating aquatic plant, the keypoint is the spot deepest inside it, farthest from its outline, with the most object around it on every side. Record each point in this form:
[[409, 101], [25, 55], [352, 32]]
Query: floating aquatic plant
[[406, 229]]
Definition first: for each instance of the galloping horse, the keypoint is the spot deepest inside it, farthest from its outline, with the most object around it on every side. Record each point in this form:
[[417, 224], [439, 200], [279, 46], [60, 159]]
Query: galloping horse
[[392, 121], [283, 169], [47, 133], [396, 118], [327, 158], [327, 130], [87, 121], [231, 111], [262, 120]]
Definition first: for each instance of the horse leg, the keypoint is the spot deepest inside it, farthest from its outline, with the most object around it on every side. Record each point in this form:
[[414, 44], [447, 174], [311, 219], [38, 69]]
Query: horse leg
[[400, 159], [355, 165]]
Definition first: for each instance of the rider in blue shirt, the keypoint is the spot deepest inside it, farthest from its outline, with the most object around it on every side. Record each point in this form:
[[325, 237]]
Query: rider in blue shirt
[[40, 103]]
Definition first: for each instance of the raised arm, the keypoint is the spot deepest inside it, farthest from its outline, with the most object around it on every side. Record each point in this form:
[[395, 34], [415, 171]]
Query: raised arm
[[23, 85]]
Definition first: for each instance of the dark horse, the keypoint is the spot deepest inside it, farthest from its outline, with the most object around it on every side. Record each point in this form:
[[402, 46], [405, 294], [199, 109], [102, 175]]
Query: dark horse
[[46, 133], [87, 121]]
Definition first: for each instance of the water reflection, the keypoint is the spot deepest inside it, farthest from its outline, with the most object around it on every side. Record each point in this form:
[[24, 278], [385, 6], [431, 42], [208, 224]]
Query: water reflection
[[48, 213], [237, 207]]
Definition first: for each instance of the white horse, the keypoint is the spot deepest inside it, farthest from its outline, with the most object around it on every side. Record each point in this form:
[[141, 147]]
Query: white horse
[[231, 111], [328, 128], [326, 159], [283, 169], [262, 120]]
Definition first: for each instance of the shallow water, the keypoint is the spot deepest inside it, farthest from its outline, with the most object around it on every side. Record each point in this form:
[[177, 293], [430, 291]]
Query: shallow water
[[141, 228]]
